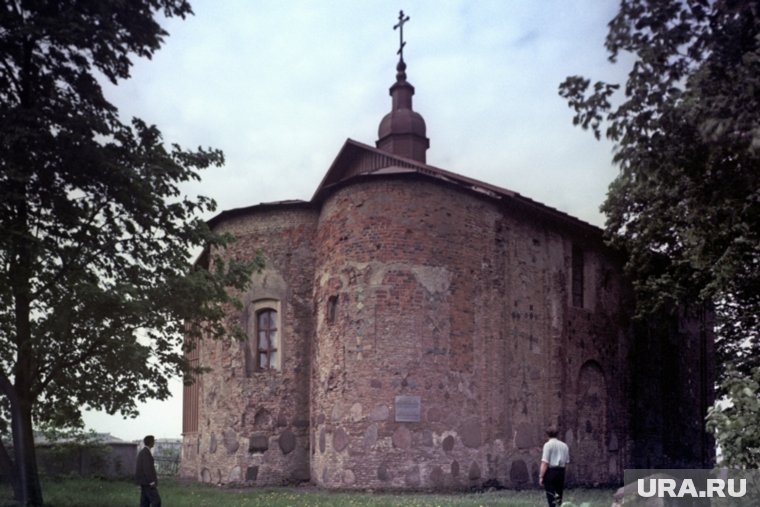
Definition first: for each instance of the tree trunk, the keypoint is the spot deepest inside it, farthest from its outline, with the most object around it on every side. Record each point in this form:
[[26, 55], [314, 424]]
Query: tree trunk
[[26, 458], [8, 469], [23, 470]]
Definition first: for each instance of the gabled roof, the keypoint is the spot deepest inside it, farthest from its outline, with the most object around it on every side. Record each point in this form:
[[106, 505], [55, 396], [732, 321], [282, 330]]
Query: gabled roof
[[356, 160], [234, 212]]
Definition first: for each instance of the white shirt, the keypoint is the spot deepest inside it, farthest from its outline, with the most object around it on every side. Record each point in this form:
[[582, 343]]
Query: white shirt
[[556, 453]]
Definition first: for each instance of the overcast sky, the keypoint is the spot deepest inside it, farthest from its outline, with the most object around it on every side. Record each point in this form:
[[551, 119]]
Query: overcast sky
[[280, 85]]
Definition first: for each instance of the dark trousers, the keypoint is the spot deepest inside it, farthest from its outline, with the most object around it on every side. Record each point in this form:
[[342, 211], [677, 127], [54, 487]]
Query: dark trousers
[[554, 485], [149, 496]]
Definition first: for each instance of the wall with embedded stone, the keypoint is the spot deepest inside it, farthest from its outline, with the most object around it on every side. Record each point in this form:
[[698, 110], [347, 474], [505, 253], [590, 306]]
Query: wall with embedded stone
[[429, 334], [432, 292], [254, 424]]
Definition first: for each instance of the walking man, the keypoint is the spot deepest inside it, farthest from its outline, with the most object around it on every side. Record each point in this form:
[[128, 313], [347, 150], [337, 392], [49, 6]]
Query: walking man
[[554, 459], [145, 475]]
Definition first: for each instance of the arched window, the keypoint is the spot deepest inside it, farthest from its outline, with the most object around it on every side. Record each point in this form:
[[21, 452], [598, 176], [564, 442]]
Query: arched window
[[267, 342], [264, 348], [577, 276]]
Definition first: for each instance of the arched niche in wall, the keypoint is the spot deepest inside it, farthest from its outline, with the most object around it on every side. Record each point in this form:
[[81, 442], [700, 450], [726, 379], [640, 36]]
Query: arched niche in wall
[[262, 320], [590, 457]]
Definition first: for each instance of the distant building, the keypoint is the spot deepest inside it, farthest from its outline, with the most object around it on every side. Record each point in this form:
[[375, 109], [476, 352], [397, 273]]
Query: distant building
[[103, 456], [415, 328]]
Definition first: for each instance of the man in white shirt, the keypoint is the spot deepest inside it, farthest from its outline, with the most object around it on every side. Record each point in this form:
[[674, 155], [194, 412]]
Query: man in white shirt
[[554, 459]]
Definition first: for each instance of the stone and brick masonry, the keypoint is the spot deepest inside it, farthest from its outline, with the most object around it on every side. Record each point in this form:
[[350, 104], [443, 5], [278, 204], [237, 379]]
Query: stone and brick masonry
[[402, 285], [429, 328]]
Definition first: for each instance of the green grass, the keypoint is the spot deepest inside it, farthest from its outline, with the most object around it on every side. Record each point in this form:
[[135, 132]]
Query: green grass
[[77, 492]]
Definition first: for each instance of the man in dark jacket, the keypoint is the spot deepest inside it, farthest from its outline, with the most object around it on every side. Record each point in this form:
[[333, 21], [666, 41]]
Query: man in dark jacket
[[145, 475]]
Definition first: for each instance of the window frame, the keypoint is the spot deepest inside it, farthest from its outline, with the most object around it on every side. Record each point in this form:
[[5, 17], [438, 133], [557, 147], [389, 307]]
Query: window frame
[[254, 311], [271, 330]]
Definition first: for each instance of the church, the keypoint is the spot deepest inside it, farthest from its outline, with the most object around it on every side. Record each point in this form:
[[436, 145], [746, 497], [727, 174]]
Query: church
[[414, 328]]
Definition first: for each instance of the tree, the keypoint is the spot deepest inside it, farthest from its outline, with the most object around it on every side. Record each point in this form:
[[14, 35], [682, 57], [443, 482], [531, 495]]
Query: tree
[[96, 285], [734, 420], [686, 202]]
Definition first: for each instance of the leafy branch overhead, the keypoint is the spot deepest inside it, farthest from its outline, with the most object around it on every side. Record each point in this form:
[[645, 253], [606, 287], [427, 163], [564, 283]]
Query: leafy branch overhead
[[686, 128], [734, 421], [97, 284]]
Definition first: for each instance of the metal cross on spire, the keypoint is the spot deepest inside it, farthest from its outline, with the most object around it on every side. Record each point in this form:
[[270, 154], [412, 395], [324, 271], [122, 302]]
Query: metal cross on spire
[[400, 25]]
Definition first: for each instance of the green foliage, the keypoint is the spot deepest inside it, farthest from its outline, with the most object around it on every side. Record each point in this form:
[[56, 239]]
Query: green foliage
[[96, 276], [686, 203], [67, 445], [97, 285], [734, 420]]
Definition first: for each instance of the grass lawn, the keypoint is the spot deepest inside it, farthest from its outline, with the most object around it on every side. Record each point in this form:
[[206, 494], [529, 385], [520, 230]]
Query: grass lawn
[[76, 492]]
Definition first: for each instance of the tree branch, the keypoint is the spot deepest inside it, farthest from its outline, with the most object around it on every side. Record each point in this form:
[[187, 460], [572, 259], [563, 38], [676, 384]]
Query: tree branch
[[12, 78]]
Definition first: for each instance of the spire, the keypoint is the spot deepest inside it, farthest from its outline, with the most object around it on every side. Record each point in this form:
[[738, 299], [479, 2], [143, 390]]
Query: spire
[[402, 131]]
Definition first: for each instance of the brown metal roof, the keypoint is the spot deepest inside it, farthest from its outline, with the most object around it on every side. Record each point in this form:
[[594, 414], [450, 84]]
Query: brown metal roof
[[358, 160]]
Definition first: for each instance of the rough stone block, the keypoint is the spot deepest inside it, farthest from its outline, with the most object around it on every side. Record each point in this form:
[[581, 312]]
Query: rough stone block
[[340, 439], [379, 413], [470, 433], [427, 438], [212, 444], [231, 441], [258, 442], [349, 478], [402, 438], [355, 413], [434, 414], [287, 441], [436, 476], [370, 435], [412, 477], [518, 473], [337, 412], [525, 437]]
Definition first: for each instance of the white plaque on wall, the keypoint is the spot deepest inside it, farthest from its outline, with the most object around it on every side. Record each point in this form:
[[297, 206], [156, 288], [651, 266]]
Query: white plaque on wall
[[407, 408]]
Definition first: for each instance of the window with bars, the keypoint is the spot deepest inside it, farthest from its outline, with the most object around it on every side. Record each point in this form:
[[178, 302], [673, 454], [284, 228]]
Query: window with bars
[[266, 339]]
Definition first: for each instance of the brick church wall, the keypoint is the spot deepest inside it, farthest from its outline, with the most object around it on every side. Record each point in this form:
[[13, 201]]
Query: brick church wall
[[253, 424], [405, 297], [445, 295]]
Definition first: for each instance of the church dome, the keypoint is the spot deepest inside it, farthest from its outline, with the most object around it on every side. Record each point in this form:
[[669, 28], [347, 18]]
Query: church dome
[[401, 121], [403, 131]]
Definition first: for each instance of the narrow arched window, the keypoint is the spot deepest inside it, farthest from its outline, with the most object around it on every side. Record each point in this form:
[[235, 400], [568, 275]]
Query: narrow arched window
[[577, 276], [267, 342]]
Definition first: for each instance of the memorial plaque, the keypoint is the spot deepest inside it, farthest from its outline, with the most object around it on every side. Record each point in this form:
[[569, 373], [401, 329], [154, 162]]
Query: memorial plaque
[[407, 409]]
